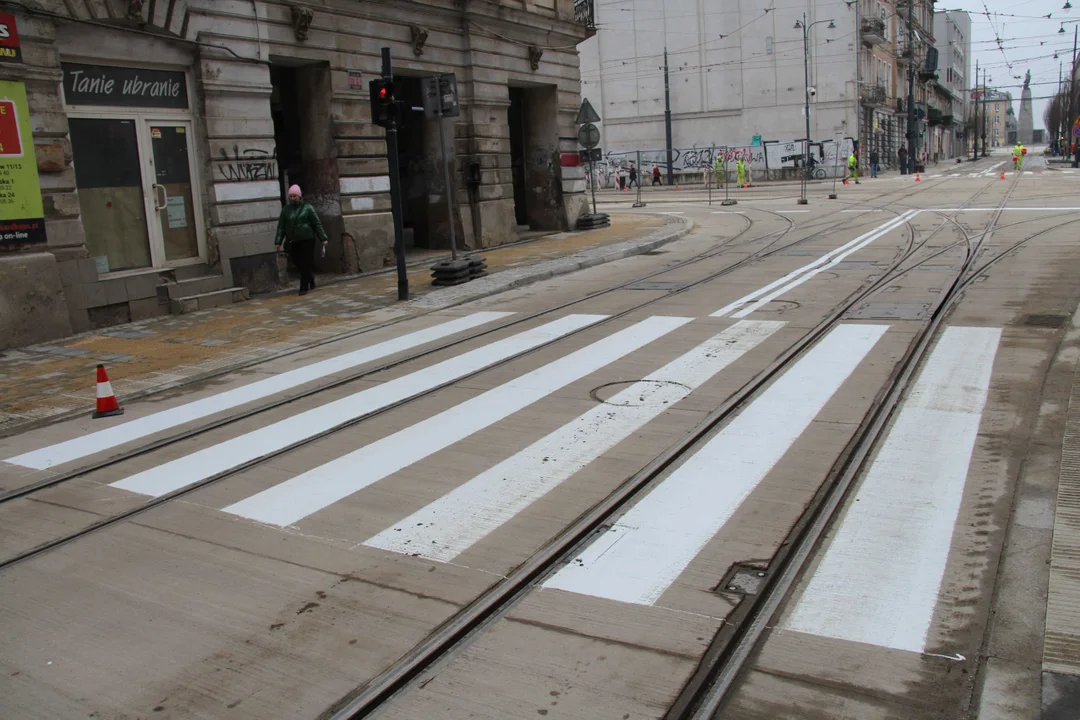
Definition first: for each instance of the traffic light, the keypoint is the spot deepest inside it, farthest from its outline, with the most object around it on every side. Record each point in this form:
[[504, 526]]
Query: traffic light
[[382, 101]]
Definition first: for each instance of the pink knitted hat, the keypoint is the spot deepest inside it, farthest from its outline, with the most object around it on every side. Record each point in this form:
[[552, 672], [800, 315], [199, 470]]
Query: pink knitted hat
[[295, 190]]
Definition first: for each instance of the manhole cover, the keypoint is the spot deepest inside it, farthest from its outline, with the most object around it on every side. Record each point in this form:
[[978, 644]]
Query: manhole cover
[[891, 311], [656, 286], [778, 306], [648, 392], [1046, 321]]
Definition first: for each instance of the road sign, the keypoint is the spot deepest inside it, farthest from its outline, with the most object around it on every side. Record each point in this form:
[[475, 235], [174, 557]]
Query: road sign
[[587, 114], [588, 136], [1076, 127], [591, 155], [440, 93]]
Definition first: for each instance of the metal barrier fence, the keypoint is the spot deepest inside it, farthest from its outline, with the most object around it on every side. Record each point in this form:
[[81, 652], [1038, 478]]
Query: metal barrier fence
[[716, 164]]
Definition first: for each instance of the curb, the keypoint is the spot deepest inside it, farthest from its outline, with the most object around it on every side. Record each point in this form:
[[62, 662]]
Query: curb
[[554, 268]]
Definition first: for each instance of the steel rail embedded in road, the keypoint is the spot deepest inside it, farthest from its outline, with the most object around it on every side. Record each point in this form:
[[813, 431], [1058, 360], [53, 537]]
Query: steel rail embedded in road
[[493, 604]]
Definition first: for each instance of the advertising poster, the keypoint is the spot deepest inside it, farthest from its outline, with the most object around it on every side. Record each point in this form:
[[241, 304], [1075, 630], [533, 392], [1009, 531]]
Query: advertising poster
[[22, 218]]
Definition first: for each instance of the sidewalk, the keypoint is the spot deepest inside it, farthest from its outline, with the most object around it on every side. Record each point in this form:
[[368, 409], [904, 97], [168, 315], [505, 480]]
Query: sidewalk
[[46, 382]]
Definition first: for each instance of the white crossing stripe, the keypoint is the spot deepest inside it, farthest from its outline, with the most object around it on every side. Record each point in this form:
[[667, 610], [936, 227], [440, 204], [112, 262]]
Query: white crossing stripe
[[232, 453], [92, 443], [801, 275], [461, 518], [295, 499], [646, 550], [879, 580]]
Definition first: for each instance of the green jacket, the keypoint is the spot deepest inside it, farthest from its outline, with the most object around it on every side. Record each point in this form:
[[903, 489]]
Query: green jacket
[[298, 222]]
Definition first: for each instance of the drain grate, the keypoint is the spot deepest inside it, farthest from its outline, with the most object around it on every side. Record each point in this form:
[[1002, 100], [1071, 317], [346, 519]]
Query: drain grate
[[1046, 321], [891, 311], [657, 286], [743, 580]]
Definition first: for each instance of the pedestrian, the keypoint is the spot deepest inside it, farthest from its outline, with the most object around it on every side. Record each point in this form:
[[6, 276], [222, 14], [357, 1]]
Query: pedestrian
[[1019, 151], [633, 176], [656, 175], [902, 156], [740, 171], [852, 168], [874, 160], [1076, 154], [297, 229]]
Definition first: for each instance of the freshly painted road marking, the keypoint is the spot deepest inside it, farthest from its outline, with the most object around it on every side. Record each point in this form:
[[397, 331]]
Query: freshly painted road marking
[[295, 499], [120, 434], [680, 212], [646, 550], [231, 453], [879, 581], [792, 211], [801, 275], [452, 524]]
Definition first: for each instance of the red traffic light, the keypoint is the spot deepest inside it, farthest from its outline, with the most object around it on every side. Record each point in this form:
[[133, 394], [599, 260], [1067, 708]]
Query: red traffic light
[[383, 93]]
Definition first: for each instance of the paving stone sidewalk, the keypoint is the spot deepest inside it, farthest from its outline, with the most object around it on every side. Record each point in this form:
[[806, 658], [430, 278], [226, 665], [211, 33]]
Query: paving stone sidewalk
[[47, 382]]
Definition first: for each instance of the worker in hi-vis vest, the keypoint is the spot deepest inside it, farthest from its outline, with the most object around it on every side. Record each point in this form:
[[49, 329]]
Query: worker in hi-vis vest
[[740, 171], [852, 169], [720, 170], [1019, 151]]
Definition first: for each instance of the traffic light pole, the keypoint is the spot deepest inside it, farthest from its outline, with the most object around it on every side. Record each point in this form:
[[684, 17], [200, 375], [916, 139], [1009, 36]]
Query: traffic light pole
[[395, 185], [446, 177]]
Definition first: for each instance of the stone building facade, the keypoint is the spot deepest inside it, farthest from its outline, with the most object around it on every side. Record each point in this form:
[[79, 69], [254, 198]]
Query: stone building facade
[[166, 133]]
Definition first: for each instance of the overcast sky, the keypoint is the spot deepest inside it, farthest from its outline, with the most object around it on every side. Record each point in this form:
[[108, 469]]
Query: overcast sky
[[1028, 43]]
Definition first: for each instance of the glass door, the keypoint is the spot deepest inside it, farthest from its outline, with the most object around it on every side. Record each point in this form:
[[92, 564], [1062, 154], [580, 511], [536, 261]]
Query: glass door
[[174, 200], [107, 174]]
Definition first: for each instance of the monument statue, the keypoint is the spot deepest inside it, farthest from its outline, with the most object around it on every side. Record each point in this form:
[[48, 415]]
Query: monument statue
[[1026, 123]]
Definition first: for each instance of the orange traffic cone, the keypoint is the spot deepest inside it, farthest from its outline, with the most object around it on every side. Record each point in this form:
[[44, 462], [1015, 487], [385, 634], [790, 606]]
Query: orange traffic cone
[[917, 178], [107, 406], [1002, 173]]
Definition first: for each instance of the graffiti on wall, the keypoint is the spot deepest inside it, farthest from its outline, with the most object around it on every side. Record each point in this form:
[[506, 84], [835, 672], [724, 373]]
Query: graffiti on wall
[[248, 164]]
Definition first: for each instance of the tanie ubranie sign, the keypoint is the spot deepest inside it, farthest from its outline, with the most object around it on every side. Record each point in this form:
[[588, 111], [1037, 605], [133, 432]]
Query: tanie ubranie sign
[[126, 87]]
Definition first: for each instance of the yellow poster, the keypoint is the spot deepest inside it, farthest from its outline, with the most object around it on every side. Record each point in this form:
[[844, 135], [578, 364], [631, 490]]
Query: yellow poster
[[22, 218]]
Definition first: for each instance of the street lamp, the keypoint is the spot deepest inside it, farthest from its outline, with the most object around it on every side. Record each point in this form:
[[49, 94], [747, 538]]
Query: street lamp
[[802, 25]]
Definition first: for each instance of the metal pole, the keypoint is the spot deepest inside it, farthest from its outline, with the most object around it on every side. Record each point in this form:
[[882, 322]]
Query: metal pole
[[836, 161], [708, 181], [446, 172], [667, 123], [1072, 91], [975, 124], [592, 181], [806, 103], [985, 90], [911, 88], [395, 186]]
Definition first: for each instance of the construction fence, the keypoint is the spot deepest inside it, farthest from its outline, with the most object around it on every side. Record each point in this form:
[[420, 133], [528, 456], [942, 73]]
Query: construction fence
[[771, 161]]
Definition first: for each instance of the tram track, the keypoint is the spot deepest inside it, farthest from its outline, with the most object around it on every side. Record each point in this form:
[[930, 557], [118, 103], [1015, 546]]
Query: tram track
[[28, 490], [496, 602], [762, 253]]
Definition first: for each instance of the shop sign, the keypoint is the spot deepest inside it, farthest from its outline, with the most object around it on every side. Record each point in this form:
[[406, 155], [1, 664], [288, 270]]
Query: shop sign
[[10, 50], [356, 80], [123, 87], [22, 219]]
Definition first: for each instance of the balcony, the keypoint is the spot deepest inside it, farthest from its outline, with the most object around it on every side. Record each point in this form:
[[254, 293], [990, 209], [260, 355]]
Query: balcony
[[873, 95], [585, 14], [873, 31]]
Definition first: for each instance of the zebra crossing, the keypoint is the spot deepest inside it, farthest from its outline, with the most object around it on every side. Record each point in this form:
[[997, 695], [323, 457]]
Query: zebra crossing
[[889, 551]]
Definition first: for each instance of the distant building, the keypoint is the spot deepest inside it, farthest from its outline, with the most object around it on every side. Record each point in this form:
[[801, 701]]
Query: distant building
[[952, 37]]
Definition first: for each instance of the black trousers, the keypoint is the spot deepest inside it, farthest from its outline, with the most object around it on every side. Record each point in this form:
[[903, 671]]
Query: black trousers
[[303, 256]]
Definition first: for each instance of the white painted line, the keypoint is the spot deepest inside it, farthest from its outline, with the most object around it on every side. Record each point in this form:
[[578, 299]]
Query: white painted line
[[807, 276], [792, 211], [458, 520], [872, 235], [854, 211], [879, 581], [994, 209], [728, 212], [647, 549], [231, 453], [680, 212], [119, 434], [293, 500]]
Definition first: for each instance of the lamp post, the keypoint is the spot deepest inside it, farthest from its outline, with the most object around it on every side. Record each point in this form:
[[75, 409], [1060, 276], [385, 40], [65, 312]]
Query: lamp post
[[802, 25]]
